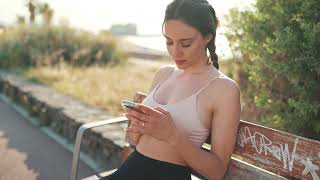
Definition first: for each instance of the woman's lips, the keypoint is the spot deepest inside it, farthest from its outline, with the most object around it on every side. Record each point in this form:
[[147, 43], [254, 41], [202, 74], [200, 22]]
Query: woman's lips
[[180, 61]]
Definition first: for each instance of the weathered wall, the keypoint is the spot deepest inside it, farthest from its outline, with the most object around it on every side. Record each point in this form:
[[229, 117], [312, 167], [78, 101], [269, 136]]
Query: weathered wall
[[65, 115]]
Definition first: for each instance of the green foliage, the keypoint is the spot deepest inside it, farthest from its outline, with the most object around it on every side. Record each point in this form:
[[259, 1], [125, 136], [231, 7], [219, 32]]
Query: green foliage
[[25, 46], [279, 41]]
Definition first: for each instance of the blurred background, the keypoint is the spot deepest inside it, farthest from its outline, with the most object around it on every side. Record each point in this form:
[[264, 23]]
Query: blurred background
[[104, 51], [122, 17], [270, 48]]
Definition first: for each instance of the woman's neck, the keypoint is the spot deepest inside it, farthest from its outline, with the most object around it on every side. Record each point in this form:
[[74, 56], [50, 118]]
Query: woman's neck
[[200, 68]]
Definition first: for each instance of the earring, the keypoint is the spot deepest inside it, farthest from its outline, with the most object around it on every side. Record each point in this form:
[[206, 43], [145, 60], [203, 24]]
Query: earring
[[209, 60]]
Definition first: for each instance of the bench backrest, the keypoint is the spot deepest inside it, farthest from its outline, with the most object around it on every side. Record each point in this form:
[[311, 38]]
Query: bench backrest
[[269, 154]]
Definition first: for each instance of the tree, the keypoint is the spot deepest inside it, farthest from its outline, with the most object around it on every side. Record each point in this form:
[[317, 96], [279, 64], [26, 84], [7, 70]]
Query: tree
[[21, 20], [279, 40], [46, 13], [31, 8]]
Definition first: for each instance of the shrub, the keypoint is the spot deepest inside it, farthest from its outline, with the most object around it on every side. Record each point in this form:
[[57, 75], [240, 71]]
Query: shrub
[[279, 40], [32, 45]]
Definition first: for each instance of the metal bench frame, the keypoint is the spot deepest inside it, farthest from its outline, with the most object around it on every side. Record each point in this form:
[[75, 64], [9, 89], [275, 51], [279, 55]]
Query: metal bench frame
[[83, 128]]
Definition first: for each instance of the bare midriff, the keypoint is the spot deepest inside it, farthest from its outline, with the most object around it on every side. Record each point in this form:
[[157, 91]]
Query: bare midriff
[[159, 150]]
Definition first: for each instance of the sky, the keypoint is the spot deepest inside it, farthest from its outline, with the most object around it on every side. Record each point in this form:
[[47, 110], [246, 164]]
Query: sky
[[96, 15]]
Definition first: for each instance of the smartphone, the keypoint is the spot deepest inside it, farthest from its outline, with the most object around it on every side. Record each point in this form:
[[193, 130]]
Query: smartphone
[[131, 105]]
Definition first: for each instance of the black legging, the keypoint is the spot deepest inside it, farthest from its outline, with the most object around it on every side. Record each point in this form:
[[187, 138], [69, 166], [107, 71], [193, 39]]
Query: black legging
[[140, 167]]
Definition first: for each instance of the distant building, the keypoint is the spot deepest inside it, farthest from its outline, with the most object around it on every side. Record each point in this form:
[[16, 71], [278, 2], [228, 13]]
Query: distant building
[[124, 29]]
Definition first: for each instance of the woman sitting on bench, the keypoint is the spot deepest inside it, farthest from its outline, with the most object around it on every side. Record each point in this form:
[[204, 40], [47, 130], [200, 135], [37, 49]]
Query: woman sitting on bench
[[186, 103]]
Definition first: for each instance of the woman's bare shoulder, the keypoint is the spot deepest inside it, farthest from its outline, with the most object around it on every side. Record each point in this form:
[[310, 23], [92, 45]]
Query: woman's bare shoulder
[[228, 83], [223, 96], [223, 88], [162, 73]]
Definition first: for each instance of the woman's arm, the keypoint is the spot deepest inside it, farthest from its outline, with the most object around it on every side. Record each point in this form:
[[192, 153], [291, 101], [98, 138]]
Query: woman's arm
[[225, 121]]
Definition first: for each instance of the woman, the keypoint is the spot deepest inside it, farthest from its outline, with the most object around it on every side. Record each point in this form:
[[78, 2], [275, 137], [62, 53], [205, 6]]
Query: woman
[[185, 104]]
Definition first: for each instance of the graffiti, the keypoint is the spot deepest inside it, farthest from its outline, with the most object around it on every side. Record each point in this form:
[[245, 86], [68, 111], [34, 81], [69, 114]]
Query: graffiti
[[310, 168], [281, 152]]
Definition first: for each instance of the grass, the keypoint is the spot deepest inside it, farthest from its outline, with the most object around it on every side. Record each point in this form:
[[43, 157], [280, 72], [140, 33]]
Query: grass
[[100, 86]]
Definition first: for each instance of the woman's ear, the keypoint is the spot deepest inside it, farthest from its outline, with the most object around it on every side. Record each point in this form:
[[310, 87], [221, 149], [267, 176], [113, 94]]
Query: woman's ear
[[208, 37]]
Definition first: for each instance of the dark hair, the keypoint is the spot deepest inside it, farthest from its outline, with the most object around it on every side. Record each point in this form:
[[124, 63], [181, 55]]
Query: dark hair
[[198, 14]]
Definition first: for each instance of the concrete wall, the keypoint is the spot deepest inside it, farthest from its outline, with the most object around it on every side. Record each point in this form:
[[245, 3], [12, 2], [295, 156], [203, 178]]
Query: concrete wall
[[65, 115]]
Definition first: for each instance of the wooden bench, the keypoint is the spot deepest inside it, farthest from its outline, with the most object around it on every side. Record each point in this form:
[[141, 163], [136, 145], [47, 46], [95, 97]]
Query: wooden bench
[[260, 153]]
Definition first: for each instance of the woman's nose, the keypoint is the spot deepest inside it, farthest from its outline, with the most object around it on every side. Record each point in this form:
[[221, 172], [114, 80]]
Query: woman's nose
[[176, 51]]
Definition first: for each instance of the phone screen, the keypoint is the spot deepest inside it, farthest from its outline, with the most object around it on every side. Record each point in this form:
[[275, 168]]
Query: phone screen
[[130, 104]]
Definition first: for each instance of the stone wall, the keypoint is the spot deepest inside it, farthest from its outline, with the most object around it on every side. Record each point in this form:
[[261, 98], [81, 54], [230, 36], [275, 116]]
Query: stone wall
[[65, 115]]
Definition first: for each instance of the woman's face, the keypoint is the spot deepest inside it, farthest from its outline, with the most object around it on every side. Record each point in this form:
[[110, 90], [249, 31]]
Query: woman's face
[[185, 44]]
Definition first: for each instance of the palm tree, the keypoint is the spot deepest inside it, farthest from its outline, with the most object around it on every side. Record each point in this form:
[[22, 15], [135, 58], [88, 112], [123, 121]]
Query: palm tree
[[46, 13], [32, 12]]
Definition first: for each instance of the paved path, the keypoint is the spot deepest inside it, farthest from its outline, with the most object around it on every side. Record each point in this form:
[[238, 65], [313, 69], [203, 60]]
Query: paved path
[[28, 153]]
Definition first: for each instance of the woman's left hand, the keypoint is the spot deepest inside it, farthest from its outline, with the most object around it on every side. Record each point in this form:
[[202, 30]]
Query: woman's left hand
[[155, 122]]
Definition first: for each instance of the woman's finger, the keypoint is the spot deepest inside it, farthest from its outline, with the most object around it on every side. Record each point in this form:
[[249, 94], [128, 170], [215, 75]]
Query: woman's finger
[[138, 127], [138, 115], [133, 129], [135, 121], [162, 110], [127, 110], [145, 109]]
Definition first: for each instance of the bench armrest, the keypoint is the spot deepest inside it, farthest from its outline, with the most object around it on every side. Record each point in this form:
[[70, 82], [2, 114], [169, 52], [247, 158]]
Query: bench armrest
[[80, 132]]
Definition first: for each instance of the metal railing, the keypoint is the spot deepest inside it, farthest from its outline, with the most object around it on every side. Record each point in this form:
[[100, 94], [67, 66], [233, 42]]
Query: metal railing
[[81, 130]]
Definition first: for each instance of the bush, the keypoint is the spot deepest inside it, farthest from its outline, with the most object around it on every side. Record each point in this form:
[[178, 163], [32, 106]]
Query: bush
[[279, 41], [25, 46]]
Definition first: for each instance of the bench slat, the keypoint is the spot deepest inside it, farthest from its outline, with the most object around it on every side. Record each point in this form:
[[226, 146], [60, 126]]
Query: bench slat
[[239, 170], [279, 152], [111, 171]]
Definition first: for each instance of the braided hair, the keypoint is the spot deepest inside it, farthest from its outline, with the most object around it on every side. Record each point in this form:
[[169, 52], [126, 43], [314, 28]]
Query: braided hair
[[200, 15]]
